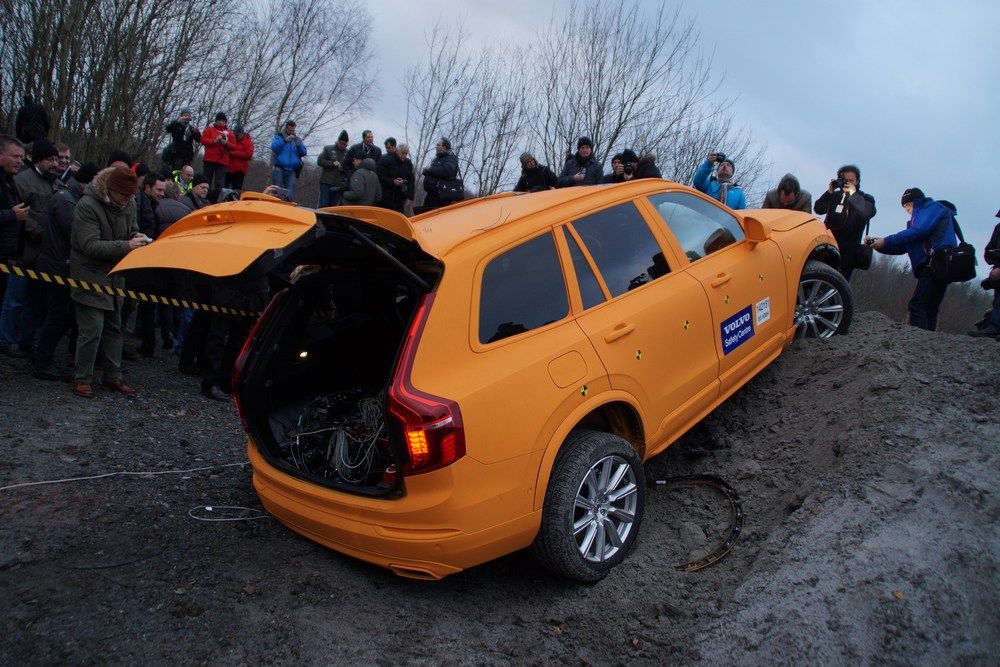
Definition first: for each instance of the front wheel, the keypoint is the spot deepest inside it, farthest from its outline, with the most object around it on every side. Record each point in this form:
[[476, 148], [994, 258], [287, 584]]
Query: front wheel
[[593, 506], [825, 302]]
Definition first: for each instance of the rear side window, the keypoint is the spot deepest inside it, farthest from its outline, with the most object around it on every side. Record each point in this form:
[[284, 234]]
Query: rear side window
[[522, 289], [623, 247], [590, 290], [700, 227]]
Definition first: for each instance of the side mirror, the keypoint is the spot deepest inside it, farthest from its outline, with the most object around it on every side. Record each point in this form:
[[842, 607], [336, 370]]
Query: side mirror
[[758, 231]]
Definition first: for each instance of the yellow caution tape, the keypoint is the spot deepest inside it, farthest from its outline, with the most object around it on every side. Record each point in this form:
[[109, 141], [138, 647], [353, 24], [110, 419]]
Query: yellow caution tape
[[123, 293]]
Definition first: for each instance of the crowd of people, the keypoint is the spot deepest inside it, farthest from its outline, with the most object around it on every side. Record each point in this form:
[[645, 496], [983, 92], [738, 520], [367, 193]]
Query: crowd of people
[[77, 220]]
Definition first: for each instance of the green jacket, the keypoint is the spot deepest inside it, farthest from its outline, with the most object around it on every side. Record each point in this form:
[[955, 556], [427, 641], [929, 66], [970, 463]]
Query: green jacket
[[98, 241], [365, 188], [31, 185]]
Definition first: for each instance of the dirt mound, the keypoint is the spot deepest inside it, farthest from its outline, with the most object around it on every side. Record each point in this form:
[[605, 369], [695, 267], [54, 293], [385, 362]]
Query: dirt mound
[[867, 468]]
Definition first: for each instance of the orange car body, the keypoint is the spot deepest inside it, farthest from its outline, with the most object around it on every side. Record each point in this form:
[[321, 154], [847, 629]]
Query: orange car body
[[647, 364]]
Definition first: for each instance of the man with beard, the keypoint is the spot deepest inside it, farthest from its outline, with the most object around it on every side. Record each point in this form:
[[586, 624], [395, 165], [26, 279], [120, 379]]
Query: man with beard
[[720, 186]]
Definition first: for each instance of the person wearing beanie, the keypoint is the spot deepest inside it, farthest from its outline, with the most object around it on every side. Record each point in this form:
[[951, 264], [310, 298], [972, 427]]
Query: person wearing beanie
[[848, 212], [582, 168], [365, 149], [288, 151], [184, 140], [53, 258], [239, 158], [333, 179], [119, 156], [218, 141], [721, 185], [931, 227], [534, 177], [788, 195], [197, 194], [103, 231], [24, 299]]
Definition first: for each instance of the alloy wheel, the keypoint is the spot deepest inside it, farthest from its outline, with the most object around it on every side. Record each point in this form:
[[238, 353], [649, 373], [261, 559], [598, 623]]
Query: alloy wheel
[[604, 511]]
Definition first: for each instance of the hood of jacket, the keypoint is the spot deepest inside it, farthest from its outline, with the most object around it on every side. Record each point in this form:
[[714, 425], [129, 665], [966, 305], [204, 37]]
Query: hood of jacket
[[368, 164], [98, 188]]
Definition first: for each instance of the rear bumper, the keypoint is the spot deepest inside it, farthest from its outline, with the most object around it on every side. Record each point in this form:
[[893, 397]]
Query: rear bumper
[[447, 521]]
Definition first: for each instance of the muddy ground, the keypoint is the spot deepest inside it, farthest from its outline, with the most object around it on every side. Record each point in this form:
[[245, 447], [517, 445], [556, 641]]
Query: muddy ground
[[867, 468]]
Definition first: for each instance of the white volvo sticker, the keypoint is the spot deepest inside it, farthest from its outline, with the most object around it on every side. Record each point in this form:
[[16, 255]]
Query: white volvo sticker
[[763, 310]]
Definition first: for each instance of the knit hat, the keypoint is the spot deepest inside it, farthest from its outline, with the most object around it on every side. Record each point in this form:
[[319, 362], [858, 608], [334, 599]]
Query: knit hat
[[221, 116], [42, 149], [122, 181], [912, 194], [628, 155], [184, 112], [584, 141], [198, 180], [85, 174], [118, 155], [238, 128], [343, 136], [525, 159]]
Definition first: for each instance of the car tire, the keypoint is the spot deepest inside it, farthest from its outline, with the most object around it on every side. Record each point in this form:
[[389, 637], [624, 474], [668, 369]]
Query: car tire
[[824, 303], [593, 507]]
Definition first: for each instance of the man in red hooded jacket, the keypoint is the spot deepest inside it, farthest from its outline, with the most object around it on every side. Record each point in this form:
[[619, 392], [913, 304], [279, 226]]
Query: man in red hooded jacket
[[218, 142], [240, 155]]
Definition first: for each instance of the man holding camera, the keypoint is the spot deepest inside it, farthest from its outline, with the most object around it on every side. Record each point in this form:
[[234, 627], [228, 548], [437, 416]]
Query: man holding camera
[[847, 211], [581, 168], [333, 180], [990, 325], [721, 185], [218, 142], [184, 138], [288, 152]]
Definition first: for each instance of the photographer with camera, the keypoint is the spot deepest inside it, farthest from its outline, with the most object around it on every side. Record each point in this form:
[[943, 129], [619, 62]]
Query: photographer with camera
[[288, 152], [990, 325], [581, 168], [848, 211], [184, 139], [218, 142], [239, 158], [395, 173], [721, 185]]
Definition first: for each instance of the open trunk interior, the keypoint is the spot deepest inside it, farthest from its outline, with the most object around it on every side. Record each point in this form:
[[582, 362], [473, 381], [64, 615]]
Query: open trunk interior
[[315, 382]]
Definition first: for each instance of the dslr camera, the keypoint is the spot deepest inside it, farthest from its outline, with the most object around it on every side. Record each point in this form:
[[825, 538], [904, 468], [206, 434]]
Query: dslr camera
[[720, 157], [228, 194], [629, 168], [839, 183]]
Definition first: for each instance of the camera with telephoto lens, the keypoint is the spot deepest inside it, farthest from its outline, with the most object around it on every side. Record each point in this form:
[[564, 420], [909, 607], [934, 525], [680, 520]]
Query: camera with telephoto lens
[[720, 157], [228, 194], [629, 168], [839, 183]]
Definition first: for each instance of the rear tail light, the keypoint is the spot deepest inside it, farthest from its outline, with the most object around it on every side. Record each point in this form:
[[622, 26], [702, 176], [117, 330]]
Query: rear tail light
[[239, 366], [431, 425]]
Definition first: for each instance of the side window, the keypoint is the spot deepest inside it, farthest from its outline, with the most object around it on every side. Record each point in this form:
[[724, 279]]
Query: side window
[[590, 289], [700, 227], [623, 247], [522, 289]]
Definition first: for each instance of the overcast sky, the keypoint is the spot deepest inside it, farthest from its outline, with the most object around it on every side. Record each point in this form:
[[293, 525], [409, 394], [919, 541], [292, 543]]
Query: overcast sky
[[905, 90]]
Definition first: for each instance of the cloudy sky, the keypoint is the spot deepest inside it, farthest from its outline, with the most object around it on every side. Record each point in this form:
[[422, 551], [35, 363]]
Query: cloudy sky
[[906, 90]]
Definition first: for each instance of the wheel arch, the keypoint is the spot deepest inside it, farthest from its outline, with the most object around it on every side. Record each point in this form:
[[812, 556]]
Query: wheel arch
[[617, 414], [827, 253]]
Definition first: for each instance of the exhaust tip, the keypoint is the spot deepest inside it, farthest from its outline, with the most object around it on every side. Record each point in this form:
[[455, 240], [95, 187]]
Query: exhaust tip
[[410, 572]]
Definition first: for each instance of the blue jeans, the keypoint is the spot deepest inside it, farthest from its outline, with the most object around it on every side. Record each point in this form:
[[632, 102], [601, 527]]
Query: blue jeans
[[285, 179], [330, 197], [22, 311], [926, 300]]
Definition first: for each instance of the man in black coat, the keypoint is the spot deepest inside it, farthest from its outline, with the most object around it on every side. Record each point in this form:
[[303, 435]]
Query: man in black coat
[[848, 211], [395, 173], [366, 149], [444, 167], [990, 325], [581, 168], [13, 213], [53, 258], [534, 177], [184, 139], [32, 122]]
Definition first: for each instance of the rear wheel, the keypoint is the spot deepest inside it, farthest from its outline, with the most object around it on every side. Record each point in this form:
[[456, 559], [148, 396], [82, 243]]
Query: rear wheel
[[593, 507], [825, 303]]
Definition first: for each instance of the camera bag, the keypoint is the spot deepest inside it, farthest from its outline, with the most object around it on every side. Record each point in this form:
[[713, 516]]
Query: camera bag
[[951, 264], [863, 253], [452, 189]]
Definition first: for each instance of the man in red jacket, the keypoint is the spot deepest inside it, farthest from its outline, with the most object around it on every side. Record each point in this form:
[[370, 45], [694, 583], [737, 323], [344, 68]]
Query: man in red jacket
[[240, 155], [218, 142]]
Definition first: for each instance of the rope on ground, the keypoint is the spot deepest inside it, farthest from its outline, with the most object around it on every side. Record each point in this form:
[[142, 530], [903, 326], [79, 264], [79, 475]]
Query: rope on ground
[[138, 473]]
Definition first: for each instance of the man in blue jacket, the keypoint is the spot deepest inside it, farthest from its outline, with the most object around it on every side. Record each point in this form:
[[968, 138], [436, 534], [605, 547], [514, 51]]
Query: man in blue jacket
[[720, 186], [288, 152], [931, 226]]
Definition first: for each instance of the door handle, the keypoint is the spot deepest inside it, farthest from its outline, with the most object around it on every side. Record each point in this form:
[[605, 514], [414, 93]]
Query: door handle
[[721, 279], [620, 330]]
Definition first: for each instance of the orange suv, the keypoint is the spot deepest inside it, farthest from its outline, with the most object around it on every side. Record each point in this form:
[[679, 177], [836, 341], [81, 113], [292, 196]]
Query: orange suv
[[435, 392]]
